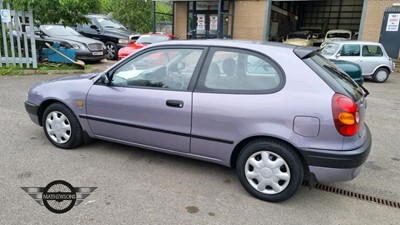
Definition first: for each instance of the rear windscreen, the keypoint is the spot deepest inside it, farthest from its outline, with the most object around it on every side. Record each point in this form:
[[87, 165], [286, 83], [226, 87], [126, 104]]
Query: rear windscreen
[[349, 85]]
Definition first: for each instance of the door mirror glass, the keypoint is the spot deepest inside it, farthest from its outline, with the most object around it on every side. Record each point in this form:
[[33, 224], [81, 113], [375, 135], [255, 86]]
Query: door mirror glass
[[104, 79], [94, 27]]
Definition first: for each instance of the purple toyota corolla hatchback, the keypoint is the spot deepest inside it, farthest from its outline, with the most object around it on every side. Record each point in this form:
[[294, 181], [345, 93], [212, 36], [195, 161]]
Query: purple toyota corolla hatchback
[[278, 114]]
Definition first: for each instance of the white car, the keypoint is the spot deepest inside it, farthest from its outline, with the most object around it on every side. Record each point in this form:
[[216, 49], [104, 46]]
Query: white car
[[371, 56], [338, 35]]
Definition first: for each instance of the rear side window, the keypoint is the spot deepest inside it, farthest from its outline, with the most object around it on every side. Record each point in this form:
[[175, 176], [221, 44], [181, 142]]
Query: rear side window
[[241, 71], [372, 50], [350, 86]]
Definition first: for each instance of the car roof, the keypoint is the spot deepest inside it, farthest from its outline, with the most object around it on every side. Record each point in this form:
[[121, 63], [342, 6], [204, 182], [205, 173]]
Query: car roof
[[339, 30], [229, 43], [355, 42], [97, 16]]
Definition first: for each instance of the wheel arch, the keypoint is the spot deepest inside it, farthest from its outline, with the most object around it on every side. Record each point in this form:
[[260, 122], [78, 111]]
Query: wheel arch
[[382, 67], [43, 107], [238, 148]]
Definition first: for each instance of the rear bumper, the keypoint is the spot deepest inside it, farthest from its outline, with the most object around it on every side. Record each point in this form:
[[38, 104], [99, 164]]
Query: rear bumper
[[32, 111], [331, 166]]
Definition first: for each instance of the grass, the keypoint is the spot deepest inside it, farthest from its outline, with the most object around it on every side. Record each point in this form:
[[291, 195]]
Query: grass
[[16, 70]]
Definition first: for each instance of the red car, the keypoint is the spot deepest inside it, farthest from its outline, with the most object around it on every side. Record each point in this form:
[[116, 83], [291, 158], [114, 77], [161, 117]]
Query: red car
[[142, 41]]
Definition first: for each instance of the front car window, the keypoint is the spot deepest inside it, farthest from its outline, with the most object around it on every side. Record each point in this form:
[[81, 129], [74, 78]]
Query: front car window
[[339, 35], [241, 71], [350, 50], [164, 69], [110, 23], [300, 34], [59, 31], [329, 49], [343, 79]]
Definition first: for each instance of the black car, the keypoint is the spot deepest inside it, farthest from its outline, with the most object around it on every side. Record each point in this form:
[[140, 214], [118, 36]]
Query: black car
[[111, 32], [87, 49]]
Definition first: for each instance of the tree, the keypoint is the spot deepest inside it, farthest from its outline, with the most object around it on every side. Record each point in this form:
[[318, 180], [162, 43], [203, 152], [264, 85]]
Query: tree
[[136, 14], [68, 12]]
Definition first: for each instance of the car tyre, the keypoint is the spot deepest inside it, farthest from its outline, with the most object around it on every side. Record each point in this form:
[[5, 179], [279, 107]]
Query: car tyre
[[61, 126], [380, 75], [269, 170], [112, 50]]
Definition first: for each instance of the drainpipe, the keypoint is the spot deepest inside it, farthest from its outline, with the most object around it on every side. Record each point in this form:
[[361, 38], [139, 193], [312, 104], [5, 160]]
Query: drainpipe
[[267, 19]]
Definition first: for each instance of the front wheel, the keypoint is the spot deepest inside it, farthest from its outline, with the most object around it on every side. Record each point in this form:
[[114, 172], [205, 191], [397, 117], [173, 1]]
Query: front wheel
[[61, 126], [380, 75], [269, 170], [112, 50]]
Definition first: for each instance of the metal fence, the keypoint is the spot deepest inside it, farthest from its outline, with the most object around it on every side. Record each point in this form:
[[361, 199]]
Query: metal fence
[[18, 38]]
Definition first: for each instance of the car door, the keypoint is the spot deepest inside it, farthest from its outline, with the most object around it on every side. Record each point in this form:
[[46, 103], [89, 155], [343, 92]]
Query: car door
[[372, 57], [148, 101], [352, 53], [226, 101]]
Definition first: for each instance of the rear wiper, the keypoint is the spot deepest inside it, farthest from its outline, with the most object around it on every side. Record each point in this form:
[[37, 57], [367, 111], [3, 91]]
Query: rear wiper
[[366, 92]]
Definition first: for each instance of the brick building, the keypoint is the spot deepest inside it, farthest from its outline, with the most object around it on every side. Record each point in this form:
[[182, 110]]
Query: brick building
[[263, 19]]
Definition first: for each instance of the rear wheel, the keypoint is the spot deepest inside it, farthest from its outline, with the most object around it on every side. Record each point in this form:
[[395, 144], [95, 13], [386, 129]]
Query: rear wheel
[[380, 75], [269, 170], [61, 126]]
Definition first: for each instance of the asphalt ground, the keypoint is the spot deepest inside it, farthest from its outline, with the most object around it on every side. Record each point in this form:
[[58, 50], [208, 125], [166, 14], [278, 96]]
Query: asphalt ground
[[136, 186]]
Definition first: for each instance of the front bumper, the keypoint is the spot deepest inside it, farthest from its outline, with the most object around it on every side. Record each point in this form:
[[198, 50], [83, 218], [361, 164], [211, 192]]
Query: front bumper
[[332, 166], [32, 111], [87, 55]]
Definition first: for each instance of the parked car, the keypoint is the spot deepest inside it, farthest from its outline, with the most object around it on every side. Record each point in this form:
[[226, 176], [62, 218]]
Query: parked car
[[142, 41], [338, 35], [318, 35], [86, 49], [371, 56], [351, 69], [203, 102], [300, 38], [111, 32]]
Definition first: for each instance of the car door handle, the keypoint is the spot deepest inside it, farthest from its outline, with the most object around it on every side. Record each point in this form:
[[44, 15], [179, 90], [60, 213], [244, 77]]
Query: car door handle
[[175, 103]]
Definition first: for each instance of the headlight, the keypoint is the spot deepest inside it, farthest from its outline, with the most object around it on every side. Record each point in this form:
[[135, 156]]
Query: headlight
[[78, 46], [123, 41]]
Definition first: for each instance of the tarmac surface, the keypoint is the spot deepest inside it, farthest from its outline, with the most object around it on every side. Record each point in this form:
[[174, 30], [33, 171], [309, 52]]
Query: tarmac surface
[[136, 186]]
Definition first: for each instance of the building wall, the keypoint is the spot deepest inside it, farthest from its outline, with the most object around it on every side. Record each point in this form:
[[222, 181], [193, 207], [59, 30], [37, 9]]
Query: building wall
[[249, 19], [181, 19], [374, 18]]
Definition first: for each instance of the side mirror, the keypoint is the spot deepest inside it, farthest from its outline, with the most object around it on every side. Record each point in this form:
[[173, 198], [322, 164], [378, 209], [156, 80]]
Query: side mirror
[[94, 27], [337, 55], [104, 79]]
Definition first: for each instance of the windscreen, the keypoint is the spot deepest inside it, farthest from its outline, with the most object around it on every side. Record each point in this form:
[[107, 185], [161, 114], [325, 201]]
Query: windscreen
[[149, 39], [53, 30], [329, 49], [350, 86]]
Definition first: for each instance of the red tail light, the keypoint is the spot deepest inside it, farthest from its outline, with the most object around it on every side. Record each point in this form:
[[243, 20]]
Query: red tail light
[[345, 115]]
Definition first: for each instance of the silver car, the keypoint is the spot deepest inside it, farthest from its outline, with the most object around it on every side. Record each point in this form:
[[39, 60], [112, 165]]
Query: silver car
[[371, 56], [278, 114]]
